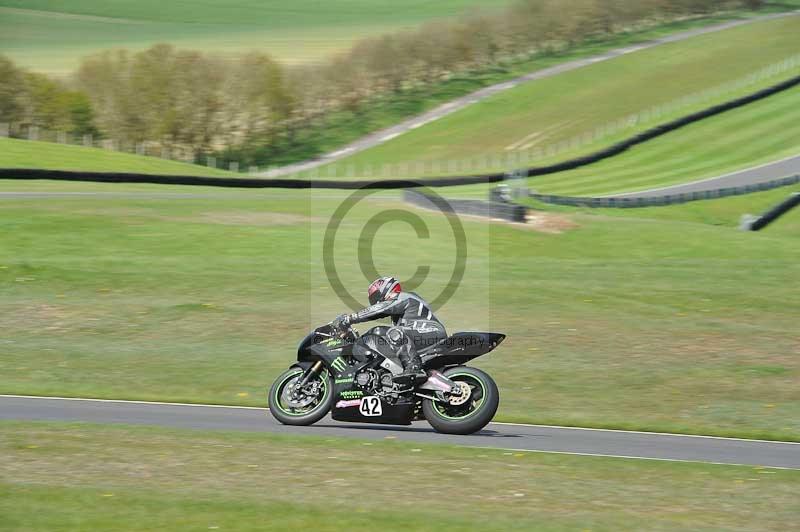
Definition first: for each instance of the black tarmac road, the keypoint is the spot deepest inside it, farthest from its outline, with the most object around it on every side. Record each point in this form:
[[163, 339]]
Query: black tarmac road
[[497, 435]]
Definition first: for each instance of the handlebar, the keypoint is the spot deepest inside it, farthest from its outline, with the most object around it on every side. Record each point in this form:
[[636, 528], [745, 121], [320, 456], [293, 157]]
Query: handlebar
[[344, 332]]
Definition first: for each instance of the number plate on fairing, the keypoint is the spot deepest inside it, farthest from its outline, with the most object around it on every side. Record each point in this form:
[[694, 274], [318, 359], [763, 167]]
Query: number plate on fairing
[[371, 406]]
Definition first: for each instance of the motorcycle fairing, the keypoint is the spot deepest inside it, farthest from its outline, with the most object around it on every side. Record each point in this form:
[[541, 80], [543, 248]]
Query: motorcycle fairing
[[320, 335], [334, 354], [347, 402], [461, 348]]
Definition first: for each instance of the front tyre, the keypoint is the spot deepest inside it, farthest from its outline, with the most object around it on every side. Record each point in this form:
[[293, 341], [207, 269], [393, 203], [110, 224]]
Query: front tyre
[[300, 407], [469, 416]]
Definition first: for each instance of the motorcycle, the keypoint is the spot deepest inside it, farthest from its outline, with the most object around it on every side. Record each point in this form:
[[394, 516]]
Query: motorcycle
[[360, 386]]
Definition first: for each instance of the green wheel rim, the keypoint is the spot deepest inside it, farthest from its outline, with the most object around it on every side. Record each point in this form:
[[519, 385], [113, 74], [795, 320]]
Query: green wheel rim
[[279, 388], [476, 408]]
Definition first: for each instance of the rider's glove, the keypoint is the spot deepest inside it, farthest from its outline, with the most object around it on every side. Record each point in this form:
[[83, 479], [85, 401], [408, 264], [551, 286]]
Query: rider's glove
[[341, 321]]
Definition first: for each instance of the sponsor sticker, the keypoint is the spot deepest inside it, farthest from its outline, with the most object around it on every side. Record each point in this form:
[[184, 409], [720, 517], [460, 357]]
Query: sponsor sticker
[[348, 404]]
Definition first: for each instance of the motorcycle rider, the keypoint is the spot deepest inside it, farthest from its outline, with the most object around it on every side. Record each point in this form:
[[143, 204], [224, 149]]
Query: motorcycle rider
[[414, 326]]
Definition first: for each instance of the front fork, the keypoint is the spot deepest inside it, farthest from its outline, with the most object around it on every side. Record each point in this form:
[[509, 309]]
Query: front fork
[[312, 372]]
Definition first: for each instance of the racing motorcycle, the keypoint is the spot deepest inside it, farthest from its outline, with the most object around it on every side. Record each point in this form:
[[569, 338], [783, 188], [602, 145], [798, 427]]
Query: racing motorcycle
[[360, 386]]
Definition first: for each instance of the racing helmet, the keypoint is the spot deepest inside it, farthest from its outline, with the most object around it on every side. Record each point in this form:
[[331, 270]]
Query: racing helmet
[[383, 289]]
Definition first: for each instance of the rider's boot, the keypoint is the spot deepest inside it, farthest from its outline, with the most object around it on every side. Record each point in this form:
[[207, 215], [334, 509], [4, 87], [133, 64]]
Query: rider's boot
[[413, 372]]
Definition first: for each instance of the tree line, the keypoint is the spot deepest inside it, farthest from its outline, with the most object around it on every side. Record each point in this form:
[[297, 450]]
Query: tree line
[[250, 108]]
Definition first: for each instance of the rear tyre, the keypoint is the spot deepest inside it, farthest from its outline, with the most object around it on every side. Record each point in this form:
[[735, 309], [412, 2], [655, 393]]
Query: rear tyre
[[470, 416], [307, 406]]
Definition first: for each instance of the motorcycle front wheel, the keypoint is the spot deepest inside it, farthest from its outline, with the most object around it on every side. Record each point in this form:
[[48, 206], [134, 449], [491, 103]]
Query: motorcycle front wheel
[[473, 414], [300, 407]]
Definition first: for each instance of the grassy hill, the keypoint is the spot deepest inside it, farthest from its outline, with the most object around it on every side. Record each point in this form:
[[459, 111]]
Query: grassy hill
[[664, 322], [551, 112], [16, 153], [759, 133], [51, 36]]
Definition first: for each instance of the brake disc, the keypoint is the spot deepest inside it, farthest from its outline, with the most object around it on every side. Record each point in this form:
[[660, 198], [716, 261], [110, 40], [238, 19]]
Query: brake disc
[[460, 396], [295, 402]]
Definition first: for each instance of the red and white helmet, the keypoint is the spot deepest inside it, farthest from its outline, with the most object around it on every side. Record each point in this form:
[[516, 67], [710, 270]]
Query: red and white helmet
[[383, 289]]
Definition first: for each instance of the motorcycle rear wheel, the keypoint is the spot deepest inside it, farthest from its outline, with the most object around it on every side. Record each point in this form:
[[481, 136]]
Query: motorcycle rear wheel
[[307, 414], [471, 416]]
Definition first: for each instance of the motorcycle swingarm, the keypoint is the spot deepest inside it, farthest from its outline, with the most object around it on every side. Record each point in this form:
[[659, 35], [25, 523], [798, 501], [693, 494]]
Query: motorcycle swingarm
[[437, 382]]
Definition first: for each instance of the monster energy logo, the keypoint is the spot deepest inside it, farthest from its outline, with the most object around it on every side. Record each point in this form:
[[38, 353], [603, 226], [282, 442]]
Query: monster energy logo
[[351, 394], [339, 364]]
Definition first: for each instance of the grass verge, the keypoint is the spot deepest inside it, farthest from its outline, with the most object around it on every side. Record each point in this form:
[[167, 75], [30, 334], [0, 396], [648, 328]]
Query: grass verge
[[72, 476]]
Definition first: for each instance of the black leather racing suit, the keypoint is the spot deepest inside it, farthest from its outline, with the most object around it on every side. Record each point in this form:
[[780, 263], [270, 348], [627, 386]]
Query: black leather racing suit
[[413, 317]]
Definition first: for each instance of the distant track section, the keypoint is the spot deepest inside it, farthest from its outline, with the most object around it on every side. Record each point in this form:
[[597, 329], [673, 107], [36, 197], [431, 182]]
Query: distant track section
[[702, 190]]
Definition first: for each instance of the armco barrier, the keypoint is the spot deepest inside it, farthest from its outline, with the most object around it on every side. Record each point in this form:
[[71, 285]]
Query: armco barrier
[[775, 212], [669, 199], [485, 209], [235, 182], [616, 149]]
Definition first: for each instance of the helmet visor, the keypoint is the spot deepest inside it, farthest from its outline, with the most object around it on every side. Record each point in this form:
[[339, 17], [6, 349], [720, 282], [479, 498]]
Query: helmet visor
[[374, 296]]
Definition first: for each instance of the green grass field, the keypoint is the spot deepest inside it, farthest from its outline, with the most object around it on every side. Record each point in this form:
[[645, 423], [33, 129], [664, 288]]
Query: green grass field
[[631, 322], [15, 153], [52, 36], [659, 319], [759, 133], [665, 319], [81, 477], [550, 112]]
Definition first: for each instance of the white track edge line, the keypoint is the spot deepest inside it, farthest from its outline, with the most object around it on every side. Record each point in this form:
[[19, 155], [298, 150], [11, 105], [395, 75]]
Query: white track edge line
[[632, 457], [259, 408], [130, 401], [699, 181], [646, 433]]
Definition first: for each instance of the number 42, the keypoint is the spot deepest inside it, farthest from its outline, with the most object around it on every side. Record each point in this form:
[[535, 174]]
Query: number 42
[[371, 406]]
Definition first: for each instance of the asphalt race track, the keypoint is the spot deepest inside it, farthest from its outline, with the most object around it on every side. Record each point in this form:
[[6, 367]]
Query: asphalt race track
[[497, 435], [749, 176]]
